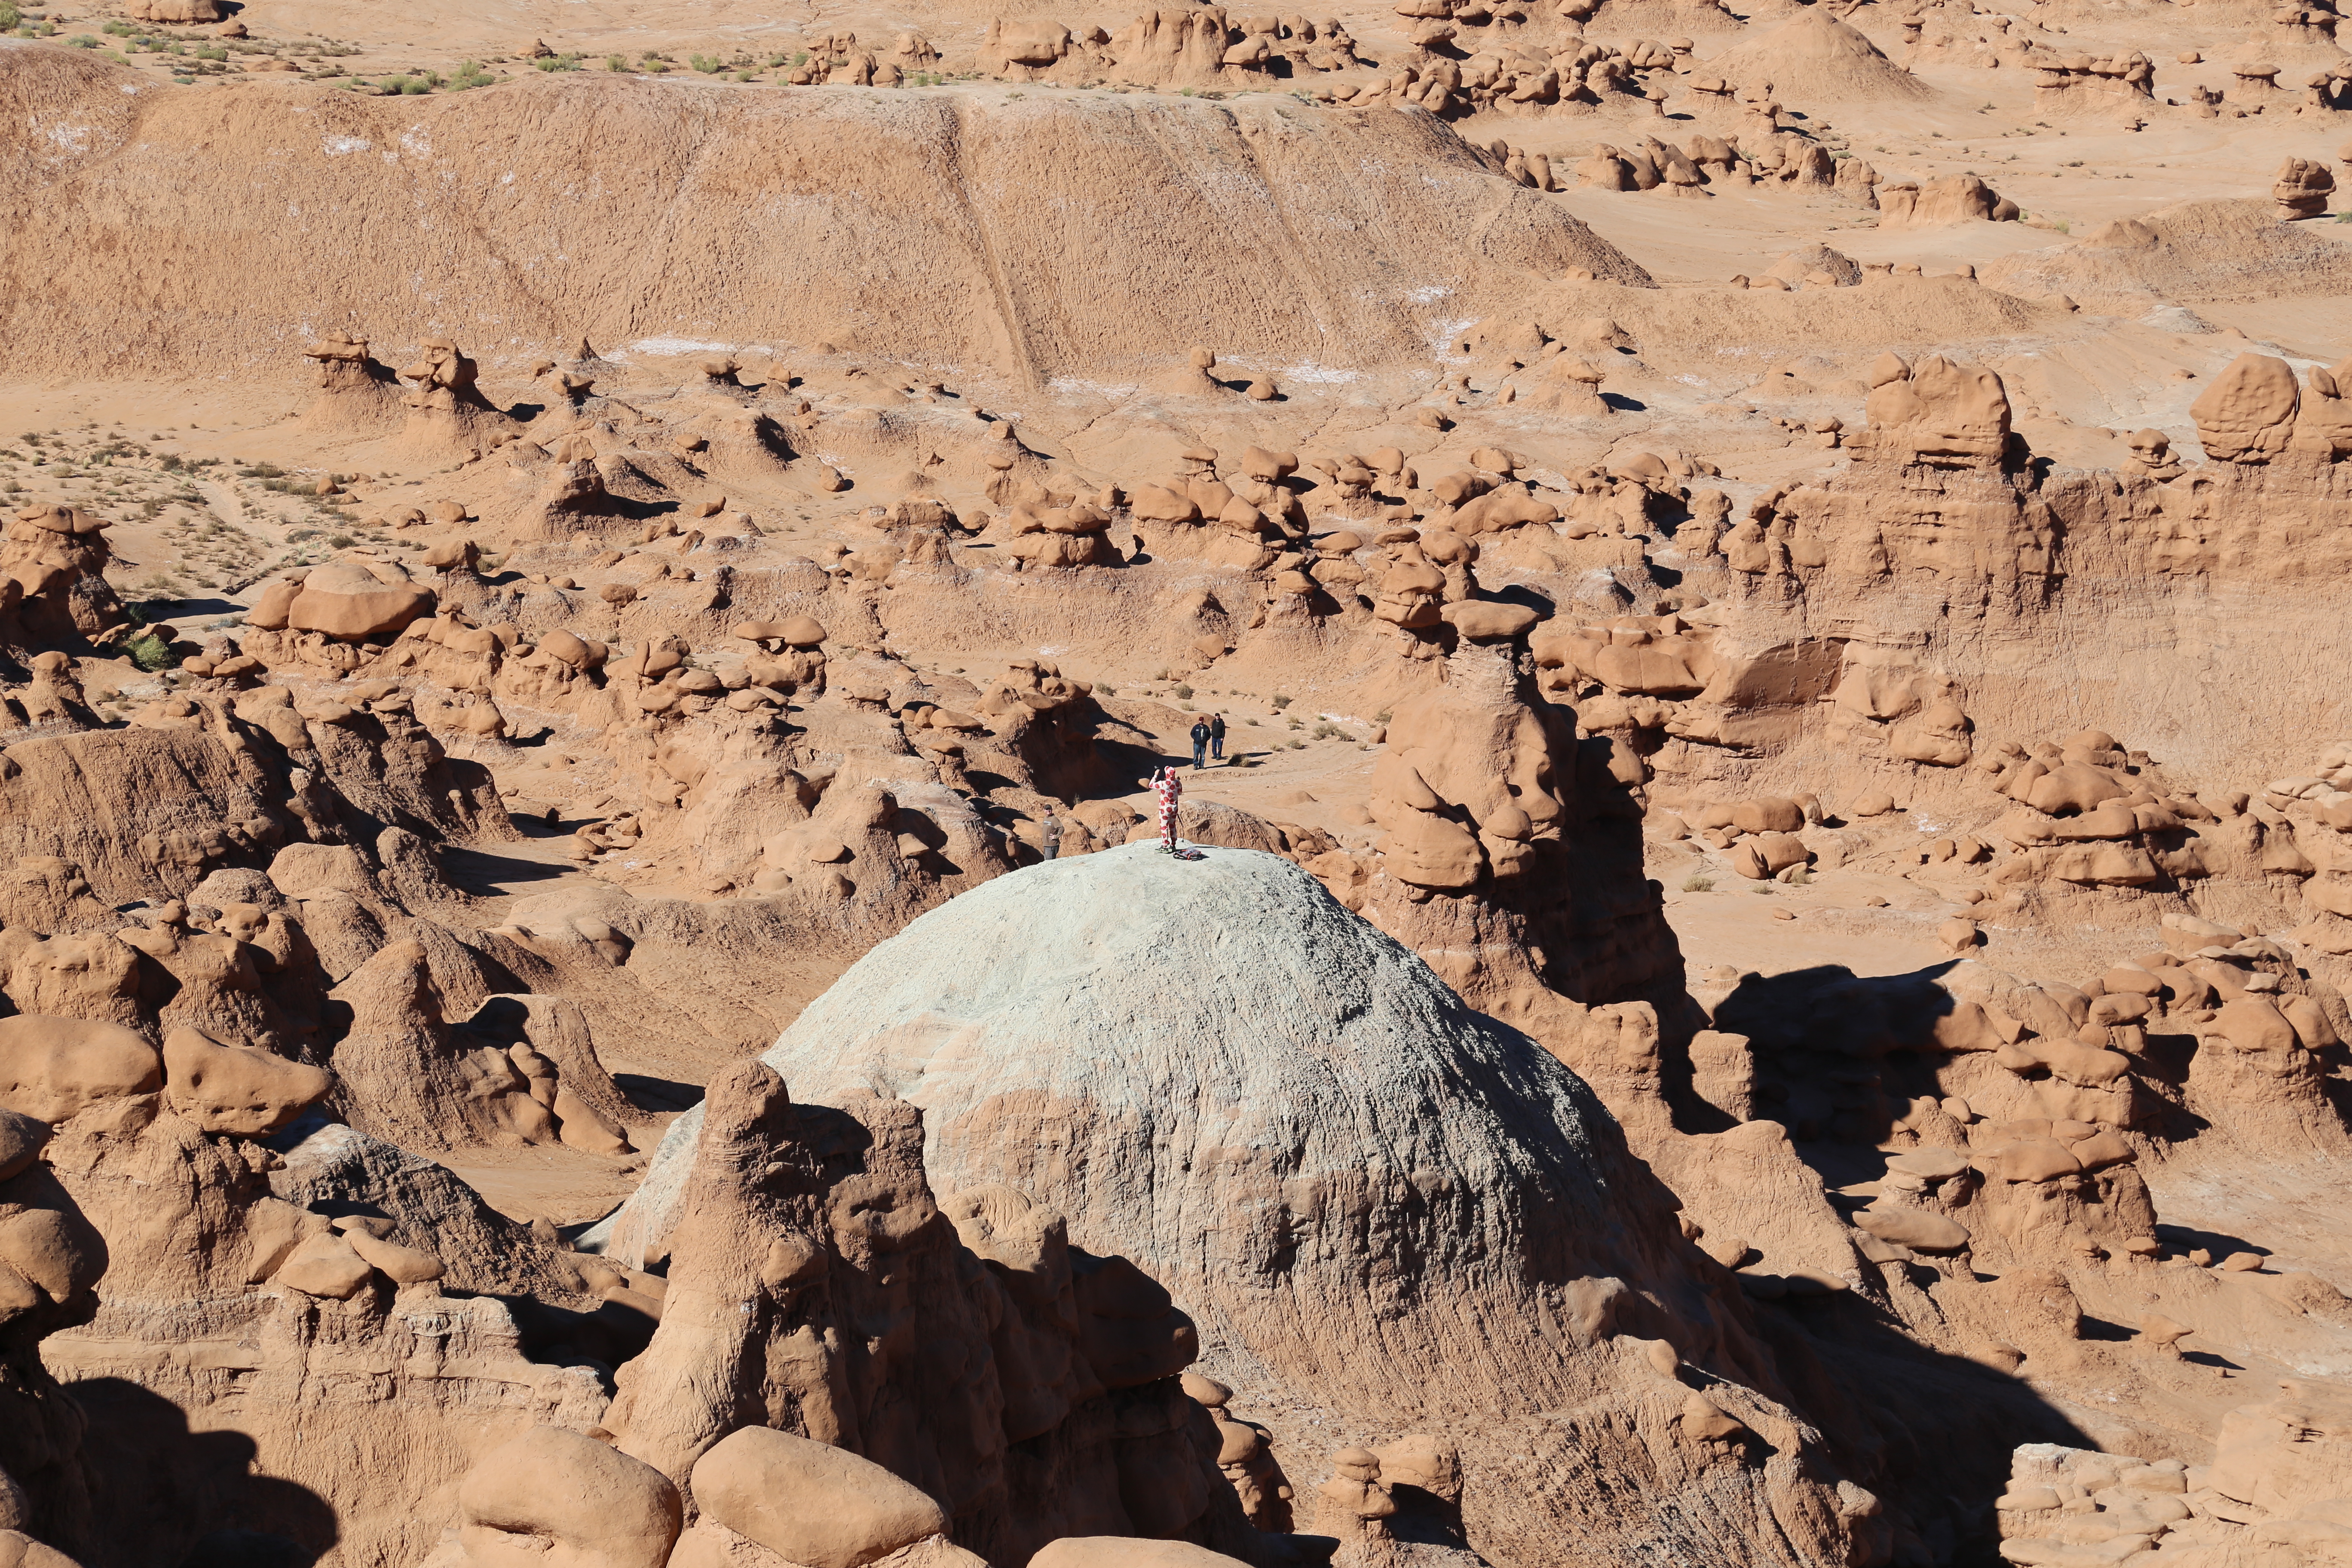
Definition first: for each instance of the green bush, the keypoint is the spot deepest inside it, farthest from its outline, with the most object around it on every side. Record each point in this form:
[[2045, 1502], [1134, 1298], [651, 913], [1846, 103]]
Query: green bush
[[708, 64], [151, 653], [616, 62]]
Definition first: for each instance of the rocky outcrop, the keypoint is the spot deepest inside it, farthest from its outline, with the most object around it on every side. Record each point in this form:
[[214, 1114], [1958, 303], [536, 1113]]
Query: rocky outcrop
[[1247, 977], [1013, 1353]]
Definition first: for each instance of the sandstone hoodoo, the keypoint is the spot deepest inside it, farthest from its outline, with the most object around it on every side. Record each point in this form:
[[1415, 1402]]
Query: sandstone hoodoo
[[960, 787]]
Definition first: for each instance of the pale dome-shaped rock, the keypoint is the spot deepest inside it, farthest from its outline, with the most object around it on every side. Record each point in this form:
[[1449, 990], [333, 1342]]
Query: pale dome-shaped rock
[[1347, 1176]]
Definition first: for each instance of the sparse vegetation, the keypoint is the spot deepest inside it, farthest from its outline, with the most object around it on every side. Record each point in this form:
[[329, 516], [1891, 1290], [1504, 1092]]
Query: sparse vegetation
[[151, 653], [1280, 702], [1698, 883]]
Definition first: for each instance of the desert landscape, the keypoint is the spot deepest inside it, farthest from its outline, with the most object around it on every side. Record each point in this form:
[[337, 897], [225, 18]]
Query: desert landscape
[[1535, 782]]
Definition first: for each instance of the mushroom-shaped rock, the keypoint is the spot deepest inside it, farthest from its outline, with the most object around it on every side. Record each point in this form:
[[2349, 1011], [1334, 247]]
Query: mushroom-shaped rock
[[352, 600], [2303, 187], [71, 521], [556, 1496], [2247, 416], [324, 1267], [452, 554], [1937, 414], [2253, 1024], [401, 1265], [53, 1069], [1929, 1163], [1918, 1229], [2034, 1160], [1482, 620], [800, 631], [1411, 595], [1268, 468], [236, 1088], [810, 1502]]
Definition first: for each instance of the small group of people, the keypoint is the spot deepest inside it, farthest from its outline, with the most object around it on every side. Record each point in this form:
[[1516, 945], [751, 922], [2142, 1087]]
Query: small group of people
[[1208, 744], [1208, 738]]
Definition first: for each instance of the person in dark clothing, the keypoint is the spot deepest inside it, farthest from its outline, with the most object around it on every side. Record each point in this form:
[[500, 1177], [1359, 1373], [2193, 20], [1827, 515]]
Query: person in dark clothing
[[1050, 835], [1200, 744], [1217, 736]]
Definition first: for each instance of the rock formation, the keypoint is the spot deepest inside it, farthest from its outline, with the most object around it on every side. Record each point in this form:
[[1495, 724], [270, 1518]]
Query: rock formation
[[1525, 1151], [1750, 967]]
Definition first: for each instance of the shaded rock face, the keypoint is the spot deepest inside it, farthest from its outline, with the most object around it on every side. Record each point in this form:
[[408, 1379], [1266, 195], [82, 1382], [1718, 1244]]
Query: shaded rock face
[[1348, 1177], [817, 1287]]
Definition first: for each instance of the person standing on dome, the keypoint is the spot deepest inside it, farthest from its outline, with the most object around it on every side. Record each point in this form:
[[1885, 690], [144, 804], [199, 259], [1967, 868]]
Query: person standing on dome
[[1170, 791]]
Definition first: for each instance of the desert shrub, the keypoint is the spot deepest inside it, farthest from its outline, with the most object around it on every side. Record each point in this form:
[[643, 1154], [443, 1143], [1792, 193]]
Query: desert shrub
[[151, 653]]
